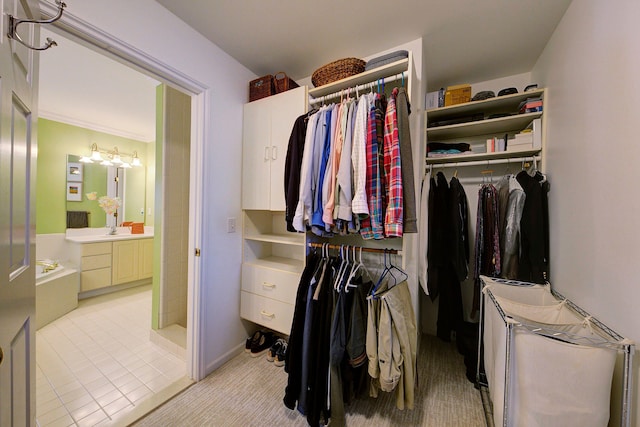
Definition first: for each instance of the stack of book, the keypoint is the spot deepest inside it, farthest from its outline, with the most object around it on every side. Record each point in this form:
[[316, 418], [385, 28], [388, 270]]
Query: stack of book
[[530, 105]]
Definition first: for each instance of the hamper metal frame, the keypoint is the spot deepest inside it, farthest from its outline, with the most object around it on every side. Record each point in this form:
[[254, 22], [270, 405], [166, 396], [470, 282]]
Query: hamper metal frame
[[610, 339]]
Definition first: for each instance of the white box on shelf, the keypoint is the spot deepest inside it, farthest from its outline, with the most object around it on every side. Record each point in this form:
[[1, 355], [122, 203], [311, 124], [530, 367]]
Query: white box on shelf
[[519, 147]]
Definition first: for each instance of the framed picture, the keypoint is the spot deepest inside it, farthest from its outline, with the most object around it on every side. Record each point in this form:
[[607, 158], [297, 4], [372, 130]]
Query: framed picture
[[74, 172], [74, 191]]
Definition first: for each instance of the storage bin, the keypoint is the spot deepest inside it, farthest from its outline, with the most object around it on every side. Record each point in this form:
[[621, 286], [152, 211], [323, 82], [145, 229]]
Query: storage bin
[[458, 94], [261, 88], [547, 362]]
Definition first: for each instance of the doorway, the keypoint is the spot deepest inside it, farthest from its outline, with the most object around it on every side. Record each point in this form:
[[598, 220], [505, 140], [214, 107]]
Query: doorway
[[187, 270]]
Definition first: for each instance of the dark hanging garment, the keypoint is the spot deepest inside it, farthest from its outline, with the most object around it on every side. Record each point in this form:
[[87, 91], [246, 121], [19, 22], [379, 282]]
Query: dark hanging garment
[[437, 248], [293, 361], [292, 166], [460, 229], [533, 260]]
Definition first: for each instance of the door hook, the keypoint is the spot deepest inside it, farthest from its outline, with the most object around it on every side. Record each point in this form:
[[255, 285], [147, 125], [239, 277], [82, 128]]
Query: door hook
[[14, 22]]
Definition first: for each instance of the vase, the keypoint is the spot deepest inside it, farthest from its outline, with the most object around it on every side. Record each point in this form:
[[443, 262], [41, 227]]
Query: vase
[[111, 230]]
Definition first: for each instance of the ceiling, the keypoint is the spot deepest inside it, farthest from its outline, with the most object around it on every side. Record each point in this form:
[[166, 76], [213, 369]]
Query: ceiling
[[96, 93], [465, 41]]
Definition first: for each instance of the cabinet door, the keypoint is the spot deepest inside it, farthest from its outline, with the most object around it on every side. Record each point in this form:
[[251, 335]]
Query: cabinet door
[[125, 261], [286, 108], [256, 154], [145, 255]]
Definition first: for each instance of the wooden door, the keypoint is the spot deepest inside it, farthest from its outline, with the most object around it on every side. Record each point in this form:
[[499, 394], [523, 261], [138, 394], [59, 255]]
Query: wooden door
[[285, 110], [256, 154], [18, 103]]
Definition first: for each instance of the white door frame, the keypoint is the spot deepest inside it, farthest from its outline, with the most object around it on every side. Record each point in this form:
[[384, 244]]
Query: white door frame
[[110, 46]]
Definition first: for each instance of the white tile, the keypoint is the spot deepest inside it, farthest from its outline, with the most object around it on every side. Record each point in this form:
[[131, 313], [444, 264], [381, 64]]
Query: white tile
[[78, 403], [85, 410], [43, 408], [109, 397], [72, 395], [117, 405], [64, 421], [139, 393], [52, 416], [93, 419]]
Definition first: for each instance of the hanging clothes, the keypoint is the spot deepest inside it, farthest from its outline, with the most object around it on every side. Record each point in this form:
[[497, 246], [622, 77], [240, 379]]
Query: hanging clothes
[[487, 242], [423, 234], [403, 109], [351, 175], [293, 168], [511, 198], [534, 226], [392, 344], [393, 173]]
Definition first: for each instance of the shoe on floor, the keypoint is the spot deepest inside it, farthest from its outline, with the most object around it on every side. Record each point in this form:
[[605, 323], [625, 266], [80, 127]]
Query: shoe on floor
[[281, 355], [251, 340], [273, 350], [265, 341]]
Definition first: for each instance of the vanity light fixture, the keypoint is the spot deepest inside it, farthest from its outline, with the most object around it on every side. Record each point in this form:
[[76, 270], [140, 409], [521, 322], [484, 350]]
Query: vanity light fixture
[[95, 154], [135, 161], [111, 157], [115, 159]]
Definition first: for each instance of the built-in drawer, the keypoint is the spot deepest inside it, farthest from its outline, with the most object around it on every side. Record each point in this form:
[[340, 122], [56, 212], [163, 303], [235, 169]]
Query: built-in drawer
[[276, 284], [95, 261], [267, 312], [95, 279], [96, 248]]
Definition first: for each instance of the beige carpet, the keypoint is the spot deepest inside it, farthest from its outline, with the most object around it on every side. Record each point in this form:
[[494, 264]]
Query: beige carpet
[[248, 392]]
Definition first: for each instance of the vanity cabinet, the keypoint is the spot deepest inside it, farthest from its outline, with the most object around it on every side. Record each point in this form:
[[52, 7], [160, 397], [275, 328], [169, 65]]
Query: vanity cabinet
[[108, 263], [132, 260], [95, 266]]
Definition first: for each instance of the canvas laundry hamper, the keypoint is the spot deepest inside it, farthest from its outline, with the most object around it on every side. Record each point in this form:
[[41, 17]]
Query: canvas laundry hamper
[[547, 362]]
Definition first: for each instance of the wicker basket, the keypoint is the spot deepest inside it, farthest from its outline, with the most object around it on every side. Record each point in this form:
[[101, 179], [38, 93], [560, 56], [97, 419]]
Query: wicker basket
[[261, 88], [337, 70], [282, 82]]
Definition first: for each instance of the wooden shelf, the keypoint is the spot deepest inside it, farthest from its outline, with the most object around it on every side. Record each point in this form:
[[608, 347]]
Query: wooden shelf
[[462, 158], [509, 124], [506, 102], [364, 77], [285, 239]]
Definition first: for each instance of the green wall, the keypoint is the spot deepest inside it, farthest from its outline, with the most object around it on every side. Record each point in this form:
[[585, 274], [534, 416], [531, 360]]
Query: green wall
[[55, 141]]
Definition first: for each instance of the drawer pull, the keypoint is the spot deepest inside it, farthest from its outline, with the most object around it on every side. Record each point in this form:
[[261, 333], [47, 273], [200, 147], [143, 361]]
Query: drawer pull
[[267, 314], [268, 285]]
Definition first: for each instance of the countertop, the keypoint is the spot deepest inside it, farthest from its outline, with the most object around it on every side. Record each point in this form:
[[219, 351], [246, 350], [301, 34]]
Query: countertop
[[123, 233]]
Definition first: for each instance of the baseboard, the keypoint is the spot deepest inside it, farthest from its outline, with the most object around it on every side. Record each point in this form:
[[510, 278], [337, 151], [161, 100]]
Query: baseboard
[[224, 358]]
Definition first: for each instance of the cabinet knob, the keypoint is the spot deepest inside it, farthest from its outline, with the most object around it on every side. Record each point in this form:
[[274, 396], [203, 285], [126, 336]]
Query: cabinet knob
[[274, 152], [266, 153], [267, 314], [268, 285]]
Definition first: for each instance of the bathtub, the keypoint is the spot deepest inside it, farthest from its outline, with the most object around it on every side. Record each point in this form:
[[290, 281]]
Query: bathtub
[[56, 293]]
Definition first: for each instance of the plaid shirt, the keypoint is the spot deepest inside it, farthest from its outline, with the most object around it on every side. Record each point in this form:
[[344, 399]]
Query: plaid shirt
[[393, 172], [372, 227]]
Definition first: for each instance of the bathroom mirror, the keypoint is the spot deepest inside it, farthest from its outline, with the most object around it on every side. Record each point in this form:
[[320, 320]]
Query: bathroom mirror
[[128, 184]]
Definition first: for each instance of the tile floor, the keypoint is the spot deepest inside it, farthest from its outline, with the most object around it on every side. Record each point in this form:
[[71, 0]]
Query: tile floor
[[96, 365]]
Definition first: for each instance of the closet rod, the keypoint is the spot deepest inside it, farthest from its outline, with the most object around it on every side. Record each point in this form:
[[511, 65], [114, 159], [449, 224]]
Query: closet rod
[[336, 94], [372, 250], [484, 162]]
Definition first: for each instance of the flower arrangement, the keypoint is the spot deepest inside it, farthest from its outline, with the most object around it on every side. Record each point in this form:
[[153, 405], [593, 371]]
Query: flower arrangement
[[109, 204]]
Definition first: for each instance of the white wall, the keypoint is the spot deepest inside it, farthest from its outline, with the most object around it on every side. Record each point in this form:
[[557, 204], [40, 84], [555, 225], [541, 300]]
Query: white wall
[[147, 26], [591, 66]]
